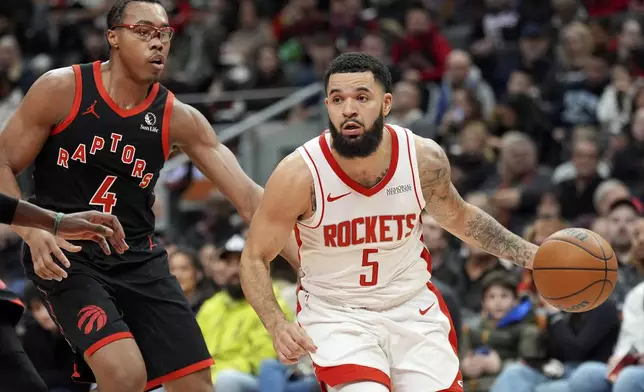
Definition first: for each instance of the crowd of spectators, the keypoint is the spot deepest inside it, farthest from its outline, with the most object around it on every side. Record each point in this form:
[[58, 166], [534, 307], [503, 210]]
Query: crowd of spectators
[[539, 105]]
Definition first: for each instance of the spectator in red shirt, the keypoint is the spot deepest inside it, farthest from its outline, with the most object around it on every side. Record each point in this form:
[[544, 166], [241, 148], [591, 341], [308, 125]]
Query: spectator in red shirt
[[422, 52], [605, 7]]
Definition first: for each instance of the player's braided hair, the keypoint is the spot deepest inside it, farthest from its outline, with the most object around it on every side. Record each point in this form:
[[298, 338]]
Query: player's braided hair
[[115, 14], [360, 62]]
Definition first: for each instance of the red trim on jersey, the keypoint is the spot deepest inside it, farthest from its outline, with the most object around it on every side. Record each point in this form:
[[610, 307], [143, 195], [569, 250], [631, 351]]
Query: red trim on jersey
[[165, 128], [78, 94], [317, 173], [457, 385], [413, 173], [177, 374], [343, 374], [393, 163], [98, 79], [107, 340]]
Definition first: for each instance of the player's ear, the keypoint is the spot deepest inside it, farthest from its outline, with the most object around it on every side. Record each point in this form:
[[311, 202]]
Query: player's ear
[[112, 39], [386, 104]]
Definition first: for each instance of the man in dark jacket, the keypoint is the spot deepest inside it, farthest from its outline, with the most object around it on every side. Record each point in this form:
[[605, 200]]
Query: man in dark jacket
[[571, 338]]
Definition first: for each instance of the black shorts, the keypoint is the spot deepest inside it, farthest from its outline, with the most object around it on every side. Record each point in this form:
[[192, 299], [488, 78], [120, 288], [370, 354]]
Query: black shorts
[[107, 298]]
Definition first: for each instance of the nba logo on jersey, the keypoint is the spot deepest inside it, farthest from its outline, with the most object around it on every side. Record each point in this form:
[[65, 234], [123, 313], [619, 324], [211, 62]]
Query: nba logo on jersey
[[150, 119]]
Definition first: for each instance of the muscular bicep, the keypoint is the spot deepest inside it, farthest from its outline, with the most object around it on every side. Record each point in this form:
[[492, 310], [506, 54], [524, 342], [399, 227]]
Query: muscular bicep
[[443, 202], [28, 128], [286, 198], [191, 132]]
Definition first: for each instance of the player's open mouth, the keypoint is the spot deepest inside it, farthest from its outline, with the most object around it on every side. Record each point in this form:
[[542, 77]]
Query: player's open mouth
[[351, 129], [157, 61]]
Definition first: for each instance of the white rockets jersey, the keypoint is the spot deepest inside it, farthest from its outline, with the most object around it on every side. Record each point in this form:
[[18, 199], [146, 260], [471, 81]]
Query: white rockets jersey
[[363, 247]]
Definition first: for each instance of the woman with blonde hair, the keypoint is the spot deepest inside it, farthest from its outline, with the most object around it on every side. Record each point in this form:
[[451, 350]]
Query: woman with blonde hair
[[576, 45]]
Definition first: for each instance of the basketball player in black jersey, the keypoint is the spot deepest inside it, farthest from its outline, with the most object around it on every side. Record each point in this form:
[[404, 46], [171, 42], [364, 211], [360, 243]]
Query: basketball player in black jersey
[[18, 373], [99, 135]]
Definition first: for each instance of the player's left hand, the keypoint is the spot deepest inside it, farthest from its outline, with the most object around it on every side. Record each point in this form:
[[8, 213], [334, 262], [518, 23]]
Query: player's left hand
[[94, 226]]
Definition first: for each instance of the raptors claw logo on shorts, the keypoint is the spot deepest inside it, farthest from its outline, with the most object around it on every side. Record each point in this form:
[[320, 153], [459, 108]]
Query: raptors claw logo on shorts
[[89, 316]]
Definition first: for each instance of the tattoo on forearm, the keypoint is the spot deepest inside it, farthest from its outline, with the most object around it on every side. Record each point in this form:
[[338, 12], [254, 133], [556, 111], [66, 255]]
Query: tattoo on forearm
[[449, 209], [442, 201], [496, 239]]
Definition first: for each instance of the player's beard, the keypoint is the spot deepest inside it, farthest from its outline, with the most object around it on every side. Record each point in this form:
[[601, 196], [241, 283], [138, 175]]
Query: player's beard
[[360, 146]]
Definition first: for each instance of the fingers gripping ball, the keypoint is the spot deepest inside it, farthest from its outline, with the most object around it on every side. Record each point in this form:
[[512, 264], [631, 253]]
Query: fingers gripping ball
[[575, 270]]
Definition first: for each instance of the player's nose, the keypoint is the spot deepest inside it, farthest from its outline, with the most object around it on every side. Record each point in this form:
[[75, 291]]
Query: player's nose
[[155, 44], [349, 109]]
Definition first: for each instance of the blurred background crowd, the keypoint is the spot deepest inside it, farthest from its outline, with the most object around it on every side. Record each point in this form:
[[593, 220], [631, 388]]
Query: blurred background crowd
[[538, 103]]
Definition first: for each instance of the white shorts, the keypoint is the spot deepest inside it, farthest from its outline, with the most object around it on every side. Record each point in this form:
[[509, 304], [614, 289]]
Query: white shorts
[[408, 348]]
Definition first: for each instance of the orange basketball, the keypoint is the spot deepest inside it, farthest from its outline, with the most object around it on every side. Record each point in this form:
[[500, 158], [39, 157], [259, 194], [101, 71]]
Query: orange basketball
[[575, 270]]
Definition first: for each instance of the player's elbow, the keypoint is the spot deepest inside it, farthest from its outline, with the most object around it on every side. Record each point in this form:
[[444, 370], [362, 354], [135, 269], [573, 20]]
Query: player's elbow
[[255, 193], [451, 219]]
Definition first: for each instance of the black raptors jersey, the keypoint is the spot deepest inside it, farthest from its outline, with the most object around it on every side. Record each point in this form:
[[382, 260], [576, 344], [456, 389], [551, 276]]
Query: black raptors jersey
[[104, 157]]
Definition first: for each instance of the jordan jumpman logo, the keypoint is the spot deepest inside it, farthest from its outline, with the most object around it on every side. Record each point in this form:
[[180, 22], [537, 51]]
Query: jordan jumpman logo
[[91, 110]]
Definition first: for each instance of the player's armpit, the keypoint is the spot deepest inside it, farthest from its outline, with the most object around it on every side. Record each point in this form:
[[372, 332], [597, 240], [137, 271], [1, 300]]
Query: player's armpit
[[286, 198], [465, 221], [190, 131]]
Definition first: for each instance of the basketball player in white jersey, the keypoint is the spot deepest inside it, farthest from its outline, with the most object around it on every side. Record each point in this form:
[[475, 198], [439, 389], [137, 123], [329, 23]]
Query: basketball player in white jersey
[[368, 314]]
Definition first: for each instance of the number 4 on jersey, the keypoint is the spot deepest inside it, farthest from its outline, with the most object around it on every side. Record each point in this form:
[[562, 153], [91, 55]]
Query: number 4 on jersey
[[103, 197]]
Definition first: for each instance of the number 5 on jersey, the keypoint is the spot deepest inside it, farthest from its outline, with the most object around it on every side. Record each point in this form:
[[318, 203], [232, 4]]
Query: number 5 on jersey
[[103, 197], [369, 279]]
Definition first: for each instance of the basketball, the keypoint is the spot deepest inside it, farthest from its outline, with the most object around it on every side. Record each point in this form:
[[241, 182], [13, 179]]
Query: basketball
[[575, 270]]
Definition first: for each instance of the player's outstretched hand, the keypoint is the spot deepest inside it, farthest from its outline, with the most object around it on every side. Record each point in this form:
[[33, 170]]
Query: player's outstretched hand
[[42, 245], [94, 226], [291, 342]]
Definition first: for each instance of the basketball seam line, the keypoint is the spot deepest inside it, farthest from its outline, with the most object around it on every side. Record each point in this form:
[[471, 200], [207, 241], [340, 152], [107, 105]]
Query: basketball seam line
[[575, 293], [581, 247], [605, 269]]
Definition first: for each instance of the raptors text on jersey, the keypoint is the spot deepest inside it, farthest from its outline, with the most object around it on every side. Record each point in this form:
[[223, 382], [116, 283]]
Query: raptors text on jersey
[[105, 157]]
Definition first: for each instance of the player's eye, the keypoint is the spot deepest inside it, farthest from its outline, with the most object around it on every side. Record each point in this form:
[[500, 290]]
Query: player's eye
[[165, 34], [336, 100], [363, 98], [144, 32]]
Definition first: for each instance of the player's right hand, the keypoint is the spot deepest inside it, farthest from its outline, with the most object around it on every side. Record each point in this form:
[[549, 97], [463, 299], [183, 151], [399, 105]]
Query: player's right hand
[[291, 342], [94, 226], [42, 245]]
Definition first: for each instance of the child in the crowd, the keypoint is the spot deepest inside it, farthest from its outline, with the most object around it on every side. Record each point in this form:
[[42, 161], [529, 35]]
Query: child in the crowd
[[505, 332]]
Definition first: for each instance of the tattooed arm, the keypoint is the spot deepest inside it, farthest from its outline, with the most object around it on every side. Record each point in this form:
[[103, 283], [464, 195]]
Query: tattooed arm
[[465, 221]]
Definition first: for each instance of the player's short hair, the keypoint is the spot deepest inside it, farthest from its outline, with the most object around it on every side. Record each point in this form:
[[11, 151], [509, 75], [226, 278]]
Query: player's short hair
[[115, 14], [359, 62]]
